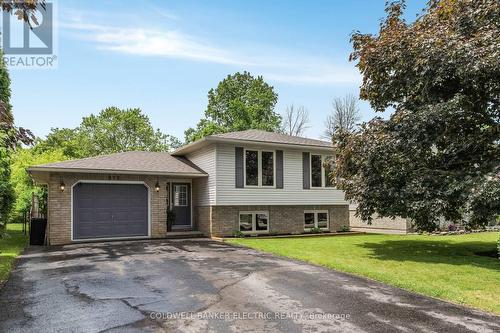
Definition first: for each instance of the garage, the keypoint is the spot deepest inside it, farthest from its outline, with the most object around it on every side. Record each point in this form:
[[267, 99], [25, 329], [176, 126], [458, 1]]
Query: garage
[[109, 210]]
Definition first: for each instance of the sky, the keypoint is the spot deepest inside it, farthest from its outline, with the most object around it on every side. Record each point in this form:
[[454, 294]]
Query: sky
[[164, 56]]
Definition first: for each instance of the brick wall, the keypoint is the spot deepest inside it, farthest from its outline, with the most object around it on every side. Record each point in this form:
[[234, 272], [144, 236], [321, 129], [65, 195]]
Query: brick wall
[[282, 219], [202, 219], [59, 203]]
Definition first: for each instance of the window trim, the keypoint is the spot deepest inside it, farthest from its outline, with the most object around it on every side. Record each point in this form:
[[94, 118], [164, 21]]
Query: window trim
[[254, 221], [259, 168], [316, 212], [323, 178]]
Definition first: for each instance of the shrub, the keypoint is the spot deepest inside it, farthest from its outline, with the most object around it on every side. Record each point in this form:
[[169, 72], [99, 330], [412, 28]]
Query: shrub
[[452, 227], [344, 228], [315, 230], [498, 246], [238, 234]]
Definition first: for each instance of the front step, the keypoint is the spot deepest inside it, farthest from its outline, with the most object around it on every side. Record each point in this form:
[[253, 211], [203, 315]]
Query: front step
[[184, 234]]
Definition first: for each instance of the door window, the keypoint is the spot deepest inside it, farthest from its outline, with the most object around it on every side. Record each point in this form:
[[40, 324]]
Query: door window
[[180, 195]]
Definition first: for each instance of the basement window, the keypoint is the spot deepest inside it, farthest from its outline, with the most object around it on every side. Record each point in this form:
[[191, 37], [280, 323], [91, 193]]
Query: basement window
[[316, 219], [254, 222]]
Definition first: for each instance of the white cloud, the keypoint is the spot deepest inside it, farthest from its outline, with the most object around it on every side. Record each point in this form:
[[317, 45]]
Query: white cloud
[[276, 65]]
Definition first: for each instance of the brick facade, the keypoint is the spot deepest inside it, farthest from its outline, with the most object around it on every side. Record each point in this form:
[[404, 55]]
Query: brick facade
[[224, 220], [59, 203], [211, 220]]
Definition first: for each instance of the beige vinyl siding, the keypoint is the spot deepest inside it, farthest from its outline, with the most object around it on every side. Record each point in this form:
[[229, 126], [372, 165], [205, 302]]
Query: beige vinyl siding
[[204, 190], [291, 194]]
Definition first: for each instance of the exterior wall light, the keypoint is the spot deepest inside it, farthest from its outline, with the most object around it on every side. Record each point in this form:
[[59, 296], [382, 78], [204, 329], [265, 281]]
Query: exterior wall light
[[62, 186], [157, 187]]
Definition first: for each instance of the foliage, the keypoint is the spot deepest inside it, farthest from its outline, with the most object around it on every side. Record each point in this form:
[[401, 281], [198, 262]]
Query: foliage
[[24, 10], [344, 116], [295, 120], [238, 234], [10, 135], [6, 124], [406, 261], [112, 130], [239, 102], [11, 245], [170, 217], [344, 228], [6, 190], [315, 230], [22, 182], [438, 153], [498, 246]]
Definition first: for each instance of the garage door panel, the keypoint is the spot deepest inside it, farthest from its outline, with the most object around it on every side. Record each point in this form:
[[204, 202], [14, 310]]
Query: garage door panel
[[110, 210]]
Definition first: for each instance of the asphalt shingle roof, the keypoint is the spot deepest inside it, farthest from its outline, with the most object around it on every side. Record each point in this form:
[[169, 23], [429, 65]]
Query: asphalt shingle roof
[[132, 161], [271, 137]]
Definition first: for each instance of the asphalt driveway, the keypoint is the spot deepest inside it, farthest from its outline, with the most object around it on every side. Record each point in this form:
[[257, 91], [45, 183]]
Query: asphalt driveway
[[201, 285]]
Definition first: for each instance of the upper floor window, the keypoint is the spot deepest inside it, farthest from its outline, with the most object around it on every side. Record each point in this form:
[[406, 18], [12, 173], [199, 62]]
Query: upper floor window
[[321, 168], [259, 168]]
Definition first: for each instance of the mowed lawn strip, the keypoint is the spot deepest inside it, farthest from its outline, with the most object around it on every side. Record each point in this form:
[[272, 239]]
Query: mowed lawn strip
[[444, 267], [12, 244]]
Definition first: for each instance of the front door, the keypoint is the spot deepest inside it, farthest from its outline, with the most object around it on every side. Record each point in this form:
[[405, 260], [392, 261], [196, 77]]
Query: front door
[[181, 205]]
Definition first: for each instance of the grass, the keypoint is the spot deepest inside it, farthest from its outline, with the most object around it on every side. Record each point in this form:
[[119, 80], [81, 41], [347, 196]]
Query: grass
[[11, 244], [444, 267]]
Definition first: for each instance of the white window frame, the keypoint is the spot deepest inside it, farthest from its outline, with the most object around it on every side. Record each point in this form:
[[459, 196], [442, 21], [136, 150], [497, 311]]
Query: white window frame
[[187, 199], [259, 168], [316, 212], [254, 221], [323, 178]]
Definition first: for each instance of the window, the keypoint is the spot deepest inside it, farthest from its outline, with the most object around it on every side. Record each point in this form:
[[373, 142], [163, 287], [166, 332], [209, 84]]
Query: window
[[254, 222], [308, 220], [328, 165], [321, 167], [267, 168], [180, 195], [259, 168], [316, 171], [316, 219], [252, 167]]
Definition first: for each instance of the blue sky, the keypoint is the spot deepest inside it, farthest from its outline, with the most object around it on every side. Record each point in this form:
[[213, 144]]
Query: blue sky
[[164, 56]]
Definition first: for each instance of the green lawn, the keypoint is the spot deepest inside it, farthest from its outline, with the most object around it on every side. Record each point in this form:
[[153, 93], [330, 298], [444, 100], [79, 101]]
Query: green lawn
[[12, 243], [440, 266]]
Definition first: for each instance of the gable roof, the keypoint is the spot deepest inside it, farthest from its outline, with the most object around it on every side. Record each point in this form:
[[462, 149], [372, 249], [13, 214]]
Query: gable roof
[[131, 162], [255, 136]]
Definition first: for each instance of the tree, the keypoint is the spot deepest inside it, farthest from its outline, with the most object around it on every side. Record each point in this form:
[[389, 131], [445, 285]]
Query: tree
[[239, 102], [295, 121], [112, 130], [11, 136], [438, 153], [21, 181], [24, 10], [344, 115]]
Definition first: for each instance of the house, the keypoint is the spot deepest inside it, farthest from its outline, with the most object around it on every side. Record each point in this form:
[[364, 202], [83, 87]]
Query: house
[[254, 182]]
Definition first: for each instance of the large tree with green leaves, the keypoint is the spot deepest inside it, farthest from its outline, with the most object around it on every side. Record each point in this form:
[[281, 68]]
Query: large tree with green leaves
[[438, 155], [112, 130], [239, 102]]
